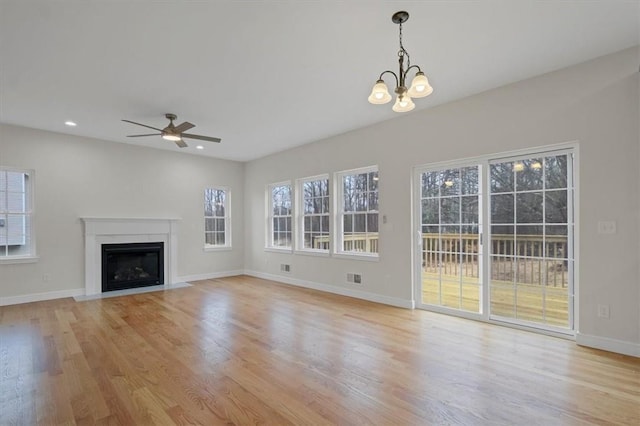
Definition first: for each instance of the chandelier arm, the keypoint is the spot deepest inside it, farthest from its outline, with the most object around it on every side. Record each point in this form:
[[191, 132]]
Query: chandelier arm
[[407, 70], [390, 72]]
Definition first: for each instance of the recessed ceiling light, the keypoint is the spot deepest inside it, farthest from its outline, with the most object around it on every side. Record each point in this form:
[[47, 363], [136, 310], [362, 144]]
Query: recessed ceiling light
[[199, 147], [70, 123]]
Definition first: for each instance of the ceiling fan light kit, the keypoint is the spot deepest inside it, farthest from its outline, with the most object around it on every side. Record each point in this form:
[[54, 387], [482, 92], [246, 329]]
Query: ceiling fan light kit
[[172, 132], [419, 88]]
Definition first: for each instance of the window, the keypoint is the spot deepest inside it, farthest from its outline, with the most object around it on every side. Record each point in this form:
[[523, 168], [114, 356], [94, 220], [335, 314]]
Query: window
[[16, 214], [280, 216], [358, 212], [217, 218], [314, 213]]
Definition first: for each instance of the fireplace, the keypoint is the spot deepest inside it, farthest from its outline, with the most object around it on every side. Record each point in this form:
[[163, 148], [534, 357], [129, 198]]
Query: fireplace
[[99, 231], [132, 265]]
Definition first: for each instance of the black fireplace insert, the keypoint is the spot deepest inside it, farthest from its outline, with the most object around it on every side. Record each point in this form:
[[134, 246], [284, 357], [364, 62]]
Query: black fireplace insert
[[132, 265]]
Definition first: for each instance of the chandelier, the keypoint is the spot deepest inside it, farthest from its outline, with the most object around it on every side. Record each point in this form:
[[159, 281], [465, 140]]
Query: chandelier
[[419, 85]]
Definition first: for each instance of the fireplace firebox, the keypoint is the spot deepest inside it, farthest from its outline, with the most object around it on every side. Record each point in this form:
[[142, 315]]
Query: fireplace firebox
[[132, 265]]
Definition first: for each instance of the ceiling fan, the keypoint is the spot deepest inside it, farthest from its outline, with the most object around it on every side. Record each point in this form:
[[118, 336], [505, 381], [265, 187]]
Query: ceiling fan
[[174, 133]]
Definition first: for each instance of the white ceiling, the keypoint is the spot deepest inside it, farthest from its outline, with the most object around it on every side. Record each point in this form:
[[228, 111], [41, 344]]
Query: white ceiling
[[269, 75]]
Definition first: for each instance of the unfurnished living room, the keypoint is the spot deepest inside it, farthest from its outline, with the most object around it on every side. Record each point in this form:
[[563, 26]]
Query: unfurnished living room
[[319, 212]]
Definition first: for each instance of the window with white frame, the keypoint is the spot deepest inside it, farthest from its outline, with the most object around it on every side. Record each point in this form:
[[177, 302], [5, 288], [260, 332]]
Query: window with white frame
[[16, 214], [280, 210], [314, 213], [217, 218], [358, 211]]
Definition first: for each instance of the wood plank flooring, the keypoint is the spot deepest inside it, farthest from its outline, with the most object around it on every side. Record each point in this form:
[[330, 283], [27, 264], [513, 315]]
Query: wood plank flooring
[[244, 351]]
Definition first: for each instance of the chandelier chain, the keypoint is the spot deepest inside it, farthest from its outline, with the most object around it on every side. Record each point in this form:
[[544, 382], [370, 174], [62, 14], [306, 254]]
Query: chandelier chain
[[403, 51]]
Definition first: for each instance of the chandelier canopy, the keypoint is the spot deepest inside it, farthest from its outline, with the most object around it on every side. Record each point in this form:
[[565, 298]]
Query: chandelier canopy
[[419, 88]]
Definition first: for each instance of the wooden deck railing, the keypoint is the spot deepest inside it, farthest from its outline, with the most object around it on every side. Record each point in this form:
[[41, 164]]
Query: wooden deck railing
[[367, 243], [527, 259]]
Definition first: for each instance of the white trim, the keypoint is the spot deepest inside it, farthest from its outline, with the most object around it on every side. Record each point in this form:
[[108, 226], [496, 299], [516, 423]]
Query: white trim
[[29, 213], [217, 248], [38, 297], [357, 255], [576, 235], [300, 215], [283, 250], [268, 242], [310, 252], [607, 344], [98, 231], [22, 259], [328, 288], [337, 207], [210, 276]]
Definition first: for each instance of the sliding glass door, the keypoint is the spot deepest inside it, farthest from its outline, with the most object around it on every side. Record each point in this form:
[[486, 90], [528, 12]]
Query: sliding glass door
[[451, 254], [504, 253], [531, 244]]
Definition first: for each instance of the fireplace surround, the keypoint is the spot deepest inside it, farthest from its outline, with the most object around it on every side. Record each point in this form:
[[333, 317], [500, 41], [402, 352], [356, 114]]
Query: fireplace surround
[[99, 231]]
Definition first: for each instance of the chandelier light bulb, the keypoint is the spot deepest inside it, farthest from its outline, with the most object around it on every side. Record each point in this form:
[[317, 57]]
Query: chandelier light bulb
[[403, 104], [420, 86], [380, 93]]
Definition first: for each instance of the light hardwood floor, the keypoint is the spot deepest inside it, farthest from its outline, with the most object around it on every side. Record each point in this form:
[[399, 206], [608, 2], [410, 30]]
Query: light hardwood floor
[[245, 351]]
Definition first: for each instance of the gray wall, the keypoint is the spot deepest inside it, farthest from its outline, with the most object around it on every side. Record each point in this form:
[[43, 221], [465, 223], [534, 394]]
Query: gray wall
[[594, 104], [77, 177]]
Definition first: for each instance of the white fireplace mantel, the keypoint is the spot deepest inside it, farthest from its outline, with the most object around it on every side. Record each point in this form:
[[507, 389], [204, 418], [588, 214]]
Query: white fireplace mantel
[[115, 230]]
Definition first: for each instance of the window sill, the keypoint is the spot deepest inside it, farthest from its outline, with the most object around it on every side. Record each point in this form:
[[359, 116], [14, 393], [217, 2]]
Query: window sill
[[23, 259], [279, 250], [320, 253], [357, 256], [218, 248]]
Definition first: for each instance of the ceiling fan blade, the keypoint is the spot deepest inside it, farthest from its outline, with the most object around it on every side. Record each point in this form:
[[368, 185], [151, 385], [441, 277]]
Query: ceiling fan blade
[[143, 125], [181, 143], [148, 134], [200, 137], [183, 127]]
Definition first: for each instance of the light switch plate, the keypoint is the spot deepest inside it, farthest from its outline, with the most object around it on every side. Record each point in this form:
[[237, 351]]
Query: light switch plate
[[607, 227]]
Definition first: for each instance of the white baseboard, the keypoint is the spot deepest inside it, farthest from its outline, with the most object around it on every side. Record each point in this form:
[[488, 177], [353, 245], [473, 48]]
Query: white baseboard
[[358, 294], [38, 297], [210, 276], [607, 344]]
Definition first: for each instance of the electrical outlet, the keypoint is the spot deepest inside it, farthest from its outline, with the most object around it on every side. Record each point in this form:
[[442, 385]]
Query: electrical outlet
[[349, 278], [603, 311], [357, 279], [285, 267], [46, 278]]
